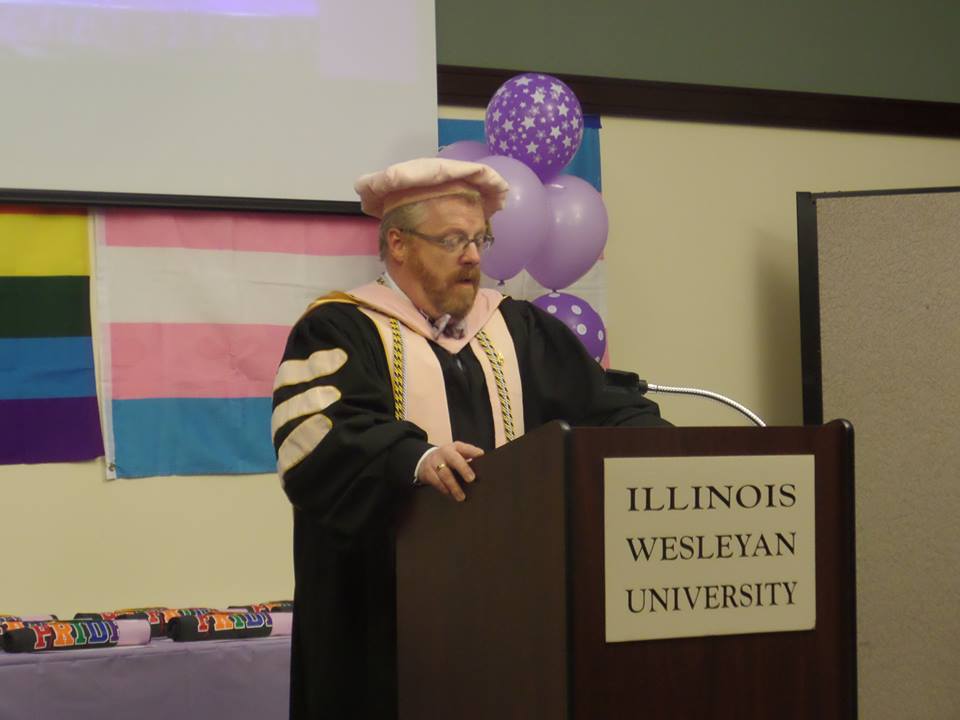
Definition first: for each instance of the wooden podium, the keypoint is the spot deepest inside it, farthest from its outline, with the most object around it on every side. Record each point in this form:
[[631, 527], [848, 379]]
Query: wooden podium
[[500, 599]]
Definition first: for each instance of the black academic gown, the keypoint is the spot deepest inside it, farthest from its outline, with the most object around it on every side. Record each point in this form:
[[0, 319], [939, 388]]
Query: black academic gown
[[346, 492]]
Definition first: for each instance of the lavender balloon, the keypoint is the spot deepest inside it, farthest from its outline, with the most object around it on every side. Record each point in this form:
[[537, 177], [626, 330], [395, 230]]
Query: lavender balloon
[[578, 233], [521, 227], [577, 315], [469, 150], [536, 119]]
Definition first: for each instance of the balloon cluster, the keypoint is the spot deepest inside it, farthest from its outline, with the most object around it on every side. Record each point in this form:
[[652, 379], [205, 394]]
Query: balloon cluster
[[554, 226]]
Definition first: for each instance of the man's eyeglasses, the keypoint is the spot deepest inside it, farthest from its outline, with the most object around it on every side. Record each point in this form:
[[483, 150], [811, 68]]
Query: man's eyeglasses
[[455, 242]]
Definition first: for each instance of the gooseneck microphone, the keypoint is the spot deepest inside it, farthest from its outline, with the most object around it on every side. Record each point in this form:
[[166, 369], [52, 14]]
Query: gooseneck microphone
[[630, 381], [650, 387]]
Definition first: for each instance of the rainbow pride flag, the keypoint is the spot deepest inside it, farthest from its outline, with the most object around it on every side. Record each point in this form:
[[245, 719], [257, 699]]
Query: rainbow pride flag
[[48, 398], [194, 310]]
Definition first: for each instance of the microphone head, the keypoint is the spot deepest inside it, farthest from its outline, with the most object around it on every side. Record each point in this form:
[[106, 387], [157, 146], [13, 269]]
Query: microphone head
[[625, 380]]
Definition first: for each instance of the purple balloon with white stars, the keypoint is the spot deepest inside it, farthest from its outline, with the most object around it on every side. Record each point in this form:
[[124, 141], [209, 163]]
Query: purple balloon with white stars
[[577, 315], [536, 119]]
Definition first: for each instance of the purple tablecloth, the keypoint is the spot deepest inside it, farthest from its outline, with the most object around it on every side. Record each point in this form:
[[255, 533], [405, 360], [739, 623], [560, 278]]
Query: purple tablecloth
[[235, 679]]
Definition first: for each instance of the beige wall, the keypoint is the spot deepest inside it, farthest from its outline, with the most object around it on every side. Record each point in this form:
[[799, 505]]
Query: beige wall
[[703, 271], [702, 291], [73, 542]]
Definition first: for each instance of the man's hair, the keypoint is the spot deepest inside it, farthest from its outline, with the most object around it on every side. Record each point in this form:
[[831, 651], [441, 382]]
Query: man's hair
[[409, 216]]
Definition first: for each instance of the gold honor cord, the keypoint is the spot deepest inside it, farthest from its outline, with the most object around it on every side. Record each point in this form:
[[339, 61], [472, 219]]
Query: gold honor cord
[[396, 378], [496, 362]]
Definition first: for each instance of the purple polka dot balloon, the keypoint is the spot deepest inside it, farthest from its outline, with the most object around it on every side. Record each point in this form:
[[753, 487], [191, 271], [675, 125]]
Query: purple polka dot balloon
[[577, 315], [537, 120]]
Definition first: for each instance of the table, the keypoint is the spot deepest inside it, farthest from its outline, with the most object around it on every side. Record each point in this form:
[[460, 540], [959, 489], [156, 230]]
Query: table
[[236, 679]]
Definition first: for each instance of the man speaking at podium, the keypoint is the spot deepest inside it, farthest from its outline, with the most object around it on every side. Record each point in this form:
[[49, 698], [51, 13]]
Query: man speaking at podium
[[401, 383]]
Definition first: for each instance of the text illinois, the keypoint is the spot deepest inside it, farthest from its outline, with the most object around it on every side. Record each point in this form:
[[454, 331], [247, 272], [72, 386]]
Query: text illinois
[[711, 497]]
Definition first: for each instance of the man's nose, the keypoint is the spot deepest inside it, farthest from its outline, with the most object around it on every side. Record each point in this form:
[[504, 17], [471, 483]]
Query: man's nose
[[471, 254]]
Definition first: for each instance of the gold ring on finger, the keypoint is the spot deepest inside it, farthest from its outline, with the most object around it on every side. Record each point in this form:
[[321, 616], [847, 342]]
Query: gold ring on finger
[[440, 467]]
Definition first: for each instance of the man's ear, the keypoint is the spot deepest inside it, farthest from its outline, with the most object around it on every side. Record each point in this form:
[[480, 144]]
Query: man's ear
[[396, 245]]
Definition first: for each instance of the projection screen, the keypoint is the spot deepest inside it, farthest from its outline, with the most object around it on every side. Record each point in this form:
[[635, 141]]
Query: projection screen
[[240, 98]]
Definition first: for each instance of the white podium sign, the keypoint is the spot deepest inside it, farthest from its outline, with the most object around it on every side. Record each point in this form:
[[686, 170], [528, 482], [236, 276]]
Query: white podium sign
[[716, 545]]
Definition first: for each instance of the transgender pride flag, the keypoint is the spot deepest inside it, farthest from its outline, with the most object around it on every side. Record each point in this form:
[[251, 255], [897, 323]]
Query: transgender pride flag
[[194, 310]]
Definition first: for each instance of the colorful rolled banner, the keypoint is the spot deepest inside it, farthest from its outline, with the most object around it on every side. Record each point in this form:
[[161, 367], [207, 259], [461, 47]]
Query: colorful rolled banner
[[8, 618], [273, 606], [220, 626], [60, 635], [40, 636]]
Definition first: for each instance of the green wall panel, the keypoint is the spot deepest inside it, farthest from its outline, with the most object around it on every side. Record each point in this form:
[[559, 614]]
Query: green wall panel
[[884, 48]]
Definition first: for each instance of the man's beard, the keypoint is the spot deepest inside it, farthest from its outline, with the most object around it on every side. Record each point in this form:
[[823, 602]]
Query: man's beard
[[448, 295]]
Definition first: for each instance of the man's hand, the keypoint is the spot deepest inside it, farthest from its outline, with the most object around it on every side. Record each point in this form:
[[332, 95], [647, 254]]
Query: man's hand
[[444, 464]]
